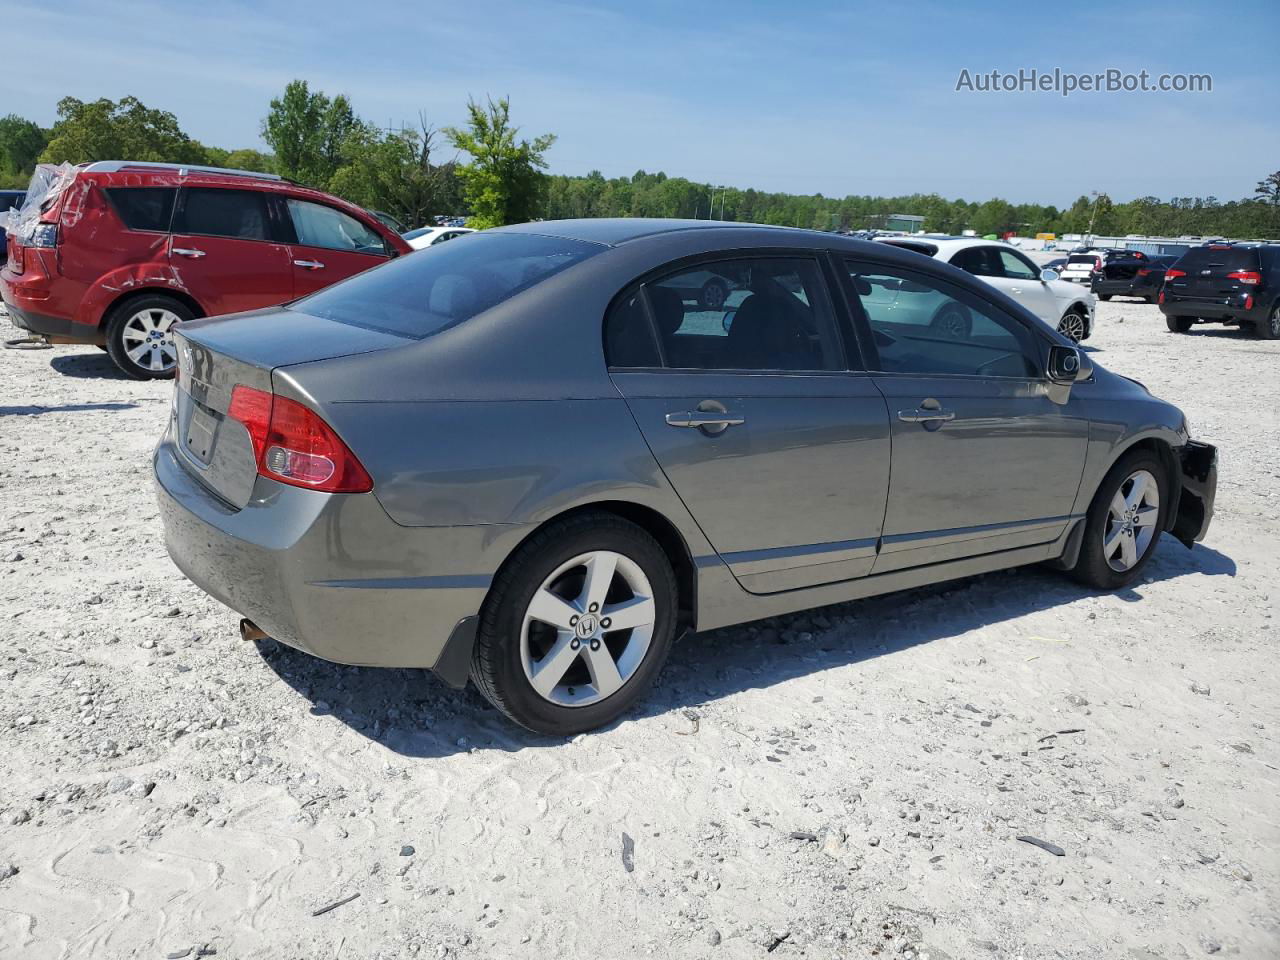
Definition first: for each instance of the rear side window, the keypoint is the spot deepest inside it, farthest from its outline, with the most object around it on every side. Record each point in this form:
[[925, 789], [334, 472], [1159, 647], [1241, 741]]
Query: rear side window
[[444, 285], [143, 208], [979, 261], [212, 212], [319, 226], [628, 334]]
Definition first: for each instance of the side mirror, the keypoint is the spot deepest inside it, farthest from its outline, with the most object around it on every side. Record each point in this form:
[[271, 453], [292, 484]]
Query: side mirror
[[1048, 276], [1066, 365]]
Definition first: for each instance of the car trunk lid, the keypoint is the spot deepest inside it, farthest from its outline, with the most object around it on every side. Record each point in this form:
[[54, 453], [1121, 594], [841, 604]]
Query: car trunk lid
[[215, 356], [1215, 272]]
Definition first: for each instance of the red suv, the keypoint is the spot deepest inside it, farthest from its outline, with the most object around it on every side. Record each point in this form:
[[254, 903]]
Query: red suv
[[114, 253]]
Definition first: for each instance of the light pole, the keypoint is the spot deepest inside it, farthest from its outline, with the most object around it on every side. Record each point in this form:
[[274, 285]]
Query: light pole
[[1093, 213]]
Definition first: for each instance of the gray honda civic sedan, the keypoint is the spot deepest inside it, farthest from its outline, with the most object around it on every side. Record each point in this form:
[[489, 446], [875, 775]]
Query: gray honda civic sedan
[[535, 456]]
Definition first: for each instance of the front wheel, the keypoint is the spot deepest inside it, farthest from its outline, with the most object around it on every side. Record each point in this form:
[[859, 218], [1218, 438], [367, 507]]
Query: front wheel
[[1124, 522], [140, 335], [1178, 324], [713, 295], [1072, 326], [577, 625]]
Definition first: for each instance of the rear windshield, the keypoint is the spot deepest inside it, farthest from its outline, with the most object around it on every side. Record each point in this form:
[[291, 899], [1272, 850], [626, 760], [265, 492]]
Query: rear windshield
[[1220, 260], [1082, 258], [426, 291], [928, 249]]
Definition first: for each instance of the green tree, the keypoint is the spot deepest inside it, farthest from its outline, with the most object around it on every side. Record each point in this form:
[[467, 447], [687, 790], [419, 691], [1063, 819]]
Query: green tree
[[21, 142], [504, 182], [128, 130], [249, 159], [395, 172], [307, 131], [1268, 189]]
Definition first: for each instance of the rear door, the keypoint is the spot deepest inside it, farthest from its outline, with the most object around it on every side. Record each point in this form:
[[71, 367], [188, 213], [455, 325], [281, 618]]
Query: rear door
[[779, 450], [224, 251], [329, 245], [983, 459]]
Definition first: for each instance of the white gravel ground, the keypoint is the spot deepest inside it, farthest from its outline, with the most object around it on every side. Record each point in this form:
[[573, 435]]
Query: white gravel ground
[[845, 783]]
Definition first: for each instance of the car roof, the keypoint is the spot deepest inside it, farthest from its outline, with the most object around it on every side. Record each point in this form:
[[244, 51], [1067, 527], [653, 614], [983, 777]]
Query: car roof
[[943, 244], [612, 231]]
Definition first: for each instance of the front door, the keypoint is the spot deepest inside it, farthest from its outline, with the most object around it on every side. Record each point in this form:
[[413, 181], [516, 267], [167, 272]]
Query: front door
[[983, 459], [780, 453], [331, 245], [223, 253]]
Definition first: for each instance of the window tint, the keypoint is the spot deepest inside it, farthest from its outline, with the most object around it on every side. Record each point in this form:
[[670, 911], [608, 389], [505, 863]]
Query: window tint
[[1015, 268], [980, 261], [143, 208], [762, 314], [211, 212], [1219, 259], [319, 226], [628, 334], [444, 285], [923, 326]]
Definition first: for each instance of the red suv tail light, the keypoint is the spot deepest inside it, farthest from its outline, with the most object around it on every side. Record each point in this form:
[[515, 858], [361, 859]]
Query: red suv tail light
[[1174, 274], [1144, 272], [1250, 277], [293, 445]]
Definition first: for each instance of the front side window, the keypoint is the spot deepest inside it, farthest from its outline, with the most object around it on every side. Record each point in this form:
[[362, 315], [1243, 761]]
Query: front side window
[[748, 314], [1015, 268], [213, 212], [925, 327], [319, 226], [444, 285], [143, 208]]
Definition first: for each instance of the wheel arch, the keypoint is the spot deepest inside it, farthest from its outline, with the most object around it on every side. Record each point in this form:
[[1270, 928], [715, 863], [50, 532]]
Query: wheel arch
[[657, 526], [1164, 451], [180, 295], [1082, 308]]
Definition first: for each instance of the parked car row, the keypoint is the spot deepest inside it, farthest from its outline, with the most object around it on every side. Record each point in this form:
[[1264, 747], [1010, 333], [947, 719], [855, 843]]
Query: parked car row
[[114, 253], [1232, 283]]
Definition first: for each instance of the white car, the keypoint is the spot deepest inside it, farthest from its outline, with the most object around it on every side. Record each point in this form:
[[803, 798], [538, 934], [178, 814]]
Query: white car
[[427, 236], [1064, 306], [1081, 267]]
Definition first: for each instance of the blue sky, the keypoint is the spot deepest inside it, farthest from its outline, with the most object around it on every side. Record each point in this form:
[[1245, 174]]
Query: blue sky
[[804, 97]]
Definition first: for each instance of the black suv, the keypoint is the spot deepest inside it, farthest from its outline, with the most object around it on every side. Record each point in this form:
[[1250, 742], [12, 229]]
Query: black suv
[[1131, 273], [1234, 283], [9, 200]]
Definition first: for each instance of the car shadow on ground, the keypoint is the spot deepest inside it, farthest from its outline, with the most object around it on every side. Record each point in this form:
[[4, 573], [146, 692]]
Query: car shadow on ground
[[95, 364], [35, 409], [414, 714]]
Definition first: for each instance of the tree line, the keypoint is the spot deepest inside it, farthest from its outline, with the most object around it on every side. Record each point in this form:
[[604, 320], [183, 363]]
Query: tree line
[[496, 176]]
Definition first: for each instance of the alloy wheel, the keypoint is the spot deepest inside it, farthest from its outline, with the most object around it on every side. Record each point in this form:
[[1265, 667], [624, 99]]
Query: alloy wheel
[[587, 628], [1131, 521], [148, 339], [1275, 323], [1072, 327]]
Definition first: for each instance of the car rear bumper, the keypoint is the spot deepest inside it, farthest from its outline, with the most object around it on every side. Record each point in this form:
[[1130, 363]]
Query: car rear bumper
[[1199, 490], [32, 305], [1215, 311], [331, 575]]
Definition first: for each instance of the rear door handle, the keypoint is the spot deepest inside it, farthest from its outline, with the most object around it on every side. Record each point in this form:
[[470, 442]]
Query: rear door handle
[[309, 264], [922, 415], [701, 418], [188, 252]]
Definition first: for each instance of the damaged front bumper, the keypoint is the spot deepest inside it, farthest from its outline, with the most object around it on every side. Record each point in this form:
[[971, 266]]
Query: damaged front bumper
[[1199, 488]]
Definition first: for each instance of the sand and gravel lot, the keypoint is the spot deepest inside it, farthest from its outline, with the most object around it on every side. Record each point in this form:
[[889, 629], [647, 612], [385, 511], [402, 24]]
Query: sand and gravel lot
[[849, 782]]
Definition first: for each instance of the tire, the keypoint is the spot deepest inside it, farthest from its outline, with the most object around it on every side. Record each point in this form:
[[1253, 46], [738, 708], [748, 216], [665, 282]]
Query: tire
[[714, 294], [952, 321], [138, 335], [1269, 329], [1178, 324], [1073, 326], [554, 569], [1111, 568]]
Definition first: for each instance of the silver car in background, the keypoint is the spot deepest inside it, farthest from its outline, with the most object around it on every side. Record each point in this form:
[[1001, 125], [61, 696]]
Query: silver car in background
[[537, 457]]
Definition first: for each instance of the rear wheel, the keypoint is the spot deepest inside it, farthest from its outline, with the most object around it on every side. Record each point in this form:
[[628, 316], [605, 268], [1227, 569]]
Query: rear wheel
[[1178, 324], [1124, 522], [1269, 329], [140, 335], [576, 626], [714, 294]]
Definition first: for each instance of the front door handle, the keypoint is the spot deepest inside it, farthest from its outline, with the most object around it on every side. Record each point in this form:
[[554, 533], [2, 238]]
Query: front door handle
[[705, 418], [309, 264], [188, 252], [923, 415]]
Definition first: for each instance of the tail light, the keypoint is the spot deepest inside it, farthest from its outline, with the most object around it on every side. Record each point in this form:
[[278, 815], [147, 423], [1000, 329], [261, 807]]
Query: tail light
[[1097, 264], [1144, 272], [293, 445], [1161, 296], [1250, 277], [1174, 274], [1248, 302]]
